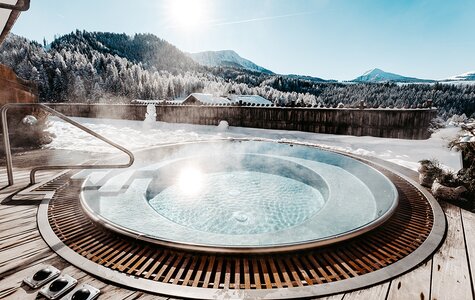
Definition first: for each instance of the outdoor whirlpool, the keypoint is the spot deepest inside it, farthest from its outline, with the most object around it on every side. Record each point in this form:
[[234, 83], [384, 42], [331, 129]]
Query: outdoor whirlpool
[[240, 196]]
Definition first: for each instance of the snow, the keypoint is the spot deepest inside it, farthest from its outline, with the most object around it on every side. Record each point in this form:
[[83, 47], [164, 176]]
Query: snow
[[225, 57], [378, 75], [256, 99], [137, 134], [209, 99], [374, 71], [463, 77], [223, 125], [458, 82]]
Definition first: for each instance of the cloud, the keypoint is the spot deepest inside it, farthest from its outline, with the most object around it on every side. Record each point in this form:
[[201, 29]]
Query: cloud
[[221, 23]]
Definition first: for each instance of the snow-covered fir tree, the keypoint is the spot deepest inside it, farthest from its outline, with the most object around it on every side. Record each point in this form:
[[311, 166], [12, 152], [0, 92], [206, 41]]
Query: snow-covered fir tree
[[109, 67]]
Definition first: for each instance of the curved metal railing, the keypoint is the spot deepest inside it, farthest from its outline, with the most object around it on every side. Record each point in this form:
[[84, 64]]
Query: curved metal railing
[[8, 154], [21, 5]]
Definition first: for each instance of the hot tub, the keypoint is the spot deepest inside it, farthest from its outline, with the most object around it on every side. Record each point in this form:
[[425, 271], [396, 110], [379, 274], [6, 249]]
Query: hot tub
[[240, 196]]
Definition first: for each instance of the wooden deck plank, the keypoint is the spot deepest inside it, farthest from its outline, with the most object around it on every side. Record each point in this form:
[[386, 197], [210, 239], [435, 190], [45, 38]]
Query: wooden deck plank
[[24, 253], [209, 271], [333, 297], [218, 272], [468, 222], [12, 287], [450, 273], [413, 285], [9, 221], [26, 228], [375, 292], [199, 272], [227, 274], [247, 276], [181, 270], [149, 261], [144, 296], [237, 274], [20, 239], [275, 274], [190, 271], [255, 271]]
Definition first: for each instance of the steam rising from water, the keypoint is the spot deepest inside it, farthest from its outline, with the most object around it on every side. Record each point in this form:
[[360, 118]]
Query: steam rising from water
[[136, 135]]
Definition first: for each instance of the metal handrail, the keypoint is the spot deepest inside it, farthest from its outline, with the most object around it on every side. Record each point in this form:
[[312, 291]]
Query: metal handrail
[[22, 6], [8, 154]]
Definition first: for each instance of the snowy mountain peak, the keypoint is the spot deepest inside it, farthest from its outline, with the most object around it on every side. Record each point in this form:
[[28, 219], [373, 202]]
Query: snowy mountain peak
[[378, 75], [468, 76], [374, 71], [226, 58]]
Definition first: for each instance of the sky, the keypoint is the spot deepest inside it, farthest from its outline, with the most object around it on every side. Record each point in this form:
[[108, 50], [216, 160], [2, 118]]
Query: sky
[[330, 39]]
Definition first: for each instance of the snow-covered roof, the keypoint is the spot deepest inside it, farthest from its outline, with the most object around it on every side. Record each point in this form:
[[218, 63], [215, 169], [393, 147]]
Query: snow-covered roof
[[231, 99], [141, 101], [208, 99], [176, 101], [251, 99]]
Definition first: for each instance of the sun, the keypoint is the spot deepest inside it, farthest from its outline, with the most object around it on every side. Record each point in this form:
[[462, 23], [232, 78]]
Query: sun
[[190, 180], [187, 14]]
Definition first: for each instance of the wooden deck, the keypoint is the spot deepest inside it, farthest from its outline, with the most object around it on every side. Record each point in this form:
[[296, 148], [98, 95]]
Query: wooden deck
[[448, 274]]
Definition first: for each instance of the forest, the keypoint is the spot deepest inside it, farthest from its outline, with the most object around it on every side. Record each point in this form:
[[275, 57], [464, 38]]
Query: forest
[[116, 68]]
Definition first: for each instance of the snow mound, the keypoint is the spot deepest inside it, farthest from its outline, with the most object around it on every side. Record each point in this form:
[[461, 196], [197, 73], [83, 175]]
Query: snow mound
[[135, 135], [223, 125]]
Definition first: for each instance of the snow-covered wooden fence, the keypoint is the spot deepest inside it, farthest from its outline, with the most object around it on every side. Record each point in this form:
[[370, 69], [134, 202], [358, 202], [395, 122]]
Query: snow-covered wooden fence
[[379, 122]]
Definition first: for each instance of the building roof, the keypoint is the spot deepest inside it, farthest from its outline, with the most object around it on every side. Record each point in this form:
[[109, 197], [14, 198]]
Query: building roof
[[176, 101], [9, 12], [251, 99], [208, 99], [141, 101]]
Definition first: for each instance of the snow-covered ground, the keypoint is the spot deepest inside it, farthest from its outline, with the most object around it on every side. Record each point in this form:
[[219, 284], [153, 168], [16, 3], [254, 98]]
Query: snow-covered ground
[[138, 134]]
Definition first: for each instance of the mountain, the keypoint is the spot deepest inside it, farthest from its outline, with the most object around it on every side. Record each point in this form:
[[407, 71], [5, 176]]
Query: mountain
[[226, 58], [469, 76], [110, 67], [150, 51], [378, 75], [95, 67]]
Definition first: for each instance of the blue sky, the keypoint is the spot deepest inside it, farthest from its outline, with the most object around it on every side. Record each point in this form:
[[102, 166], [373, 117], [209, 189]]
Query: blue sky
[[332, 39]]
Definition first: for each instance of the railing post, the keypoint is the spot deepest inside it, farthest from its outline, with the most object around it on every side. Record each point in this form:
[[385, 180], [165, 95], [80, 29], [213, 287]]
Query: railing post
[[6, 144]]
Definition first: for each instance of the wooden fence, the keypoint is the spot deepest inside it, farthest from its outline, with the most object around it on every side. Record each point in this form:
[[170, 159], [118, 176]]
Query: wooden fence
[[380, 122]]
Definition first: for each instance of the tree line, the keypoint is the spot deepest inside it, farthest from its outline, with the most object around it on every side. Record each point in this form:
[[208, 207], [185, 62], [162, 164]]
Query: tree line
[[109, 67]]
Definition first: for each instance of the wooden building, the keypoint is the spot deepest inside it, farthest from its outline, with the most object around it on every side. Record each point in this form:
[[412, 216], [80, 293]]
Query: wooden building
[[12, 88], [205, 99]]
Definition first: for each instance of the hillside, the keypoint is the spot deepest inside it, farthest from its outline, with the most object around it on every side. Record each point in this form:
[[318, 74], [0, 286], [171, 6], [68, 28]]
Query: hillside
[[109, 67], [147, 49], [226, 58]]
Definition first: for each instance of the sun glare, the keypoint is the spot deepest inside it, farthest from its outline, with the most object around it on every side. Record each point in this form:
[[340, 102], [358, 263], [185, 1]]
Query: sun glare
[[190, 180], [187, 14]]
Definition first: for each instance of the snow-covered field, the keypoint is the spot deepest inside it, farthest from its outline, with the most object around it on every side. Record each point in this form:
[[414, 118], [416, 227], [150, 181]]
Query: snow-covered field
[[138, 134]]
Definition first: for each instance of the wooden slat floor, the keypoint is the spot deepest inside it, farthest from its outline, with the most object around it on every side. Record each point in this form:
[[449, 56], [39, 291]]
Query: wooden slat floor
[[448, 274]]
